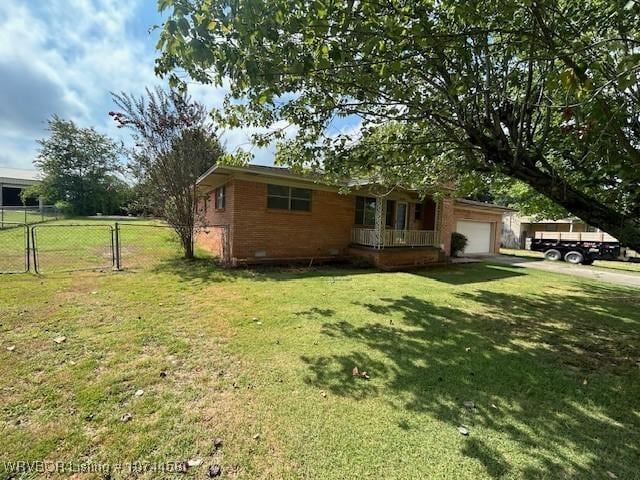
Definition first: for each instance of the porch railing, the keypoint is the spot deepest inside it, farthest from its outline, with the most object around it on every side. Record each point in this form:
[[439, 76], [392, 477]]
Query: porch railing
[[395, 238]]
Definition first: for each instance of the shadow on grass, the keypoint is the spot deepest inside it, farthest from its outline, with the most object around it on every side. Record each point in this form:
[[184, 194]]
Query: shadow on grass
[[528, 363], [465, 274], [209, 270]]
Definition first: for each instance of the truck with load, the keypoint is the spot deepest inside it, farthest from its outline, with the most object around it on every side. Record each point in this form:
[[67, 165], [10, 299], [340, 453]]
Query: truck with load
[[578, 247]]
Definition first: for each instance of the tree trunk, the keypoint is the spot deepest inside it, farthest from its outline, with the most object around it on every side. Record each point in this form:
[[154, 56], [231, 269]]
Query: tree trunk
[[588, 209], [187, 244]]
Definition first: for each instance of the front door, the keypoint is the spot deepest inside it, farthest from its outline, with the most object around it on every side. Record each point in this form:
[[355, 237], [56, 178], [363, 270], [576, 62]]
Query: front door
[[401, 215]]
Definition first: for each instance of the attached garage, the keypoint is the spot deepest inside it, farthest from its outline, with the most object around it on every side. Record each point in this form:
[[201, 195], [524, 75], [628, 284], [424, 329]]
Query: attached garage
[[479, 235], [481, 223]]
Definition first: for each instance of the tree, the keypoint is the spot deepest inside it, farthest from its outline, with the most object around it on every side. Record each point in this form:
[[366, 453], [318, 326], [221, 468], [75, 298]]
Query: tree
[[175, 143], [79, 166], [545, 91], [505, 191]]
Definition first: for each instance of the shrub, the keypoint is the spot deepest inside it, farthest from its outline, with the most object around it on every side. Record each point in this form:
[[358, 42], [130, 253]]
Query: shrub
[[65, 208], [458, 243]]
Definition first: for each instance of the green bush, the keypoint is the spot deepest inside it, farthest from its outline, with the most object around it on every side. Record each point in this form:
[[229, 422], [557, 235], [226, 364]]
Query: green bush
[[65, 208], [458, 243]]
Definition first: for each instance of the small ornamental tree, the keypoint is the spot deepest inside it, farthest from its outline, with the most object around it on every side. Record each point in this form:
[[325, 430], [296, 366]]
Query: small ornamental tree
[[175, 142]]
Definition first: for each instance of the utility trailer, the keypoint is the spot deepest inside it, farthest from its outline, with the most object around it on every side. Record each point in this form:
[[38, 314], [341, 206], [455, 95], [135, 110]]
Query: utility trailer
[[578, 247]]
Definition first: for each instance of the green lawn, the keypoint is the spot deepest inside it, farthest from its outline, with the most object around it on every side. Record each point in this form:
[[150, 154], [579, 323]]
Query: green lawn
[[30, 217], [612, 265], [263, 359]]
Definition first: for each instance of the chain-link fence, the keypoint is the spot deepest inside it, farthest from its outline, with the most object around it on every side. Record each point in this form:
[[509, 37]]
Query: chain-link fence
[[50, 247], [29, 214], [69, 247], [141, 245], [14, 248]]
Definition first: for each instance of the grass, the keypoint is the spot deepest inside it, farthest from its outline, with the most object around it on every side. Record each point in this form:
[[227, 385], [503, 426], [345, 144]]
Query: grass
[[19, 216], [87, 244], [632, 266], [263, 359]]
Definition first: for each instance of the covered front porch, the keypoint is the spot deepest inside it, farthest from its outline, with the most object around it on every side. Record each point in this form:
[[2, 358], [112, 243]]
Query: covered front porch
[[396, 223], [386, 238]]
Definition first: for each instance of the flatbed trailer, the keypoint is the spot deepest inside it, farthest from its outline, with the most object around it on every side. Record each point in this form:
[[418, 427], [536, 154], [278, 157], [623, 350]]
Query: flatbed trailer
[[578, 247]]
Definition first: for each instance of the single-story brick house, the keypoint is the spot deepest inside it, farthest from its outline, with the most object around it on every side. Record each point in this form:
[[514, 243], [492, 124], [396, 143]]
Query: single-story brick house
[[269, 214]]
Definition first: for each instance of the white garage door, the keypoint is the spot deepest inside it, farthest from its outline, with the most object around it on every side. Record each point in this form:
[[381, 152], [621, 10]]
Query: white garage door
[[478, 234]]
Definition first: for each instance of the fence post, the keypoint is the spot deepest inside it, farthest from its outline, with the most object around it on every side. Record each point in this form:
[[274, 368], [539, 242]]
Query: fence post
[[28, 252], [116, 237], [34, 249]]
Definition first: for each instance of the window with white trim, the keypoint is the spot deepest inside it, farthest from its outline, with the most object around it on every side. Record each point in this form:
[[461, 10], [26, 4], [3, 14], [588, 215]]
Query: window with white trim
[[288, 198]]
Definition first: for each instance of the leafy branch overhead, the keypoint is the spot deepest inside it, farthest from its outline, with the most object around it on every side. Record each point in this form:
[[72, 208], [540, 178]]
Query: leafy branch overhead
[[546, 92]]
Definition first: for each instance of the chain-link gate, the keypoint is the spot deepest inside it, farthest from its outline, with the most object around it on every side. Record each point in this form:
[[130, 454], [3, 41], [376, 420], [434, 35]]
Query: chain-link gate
[[14, 247], [48, 248], [63, 248]]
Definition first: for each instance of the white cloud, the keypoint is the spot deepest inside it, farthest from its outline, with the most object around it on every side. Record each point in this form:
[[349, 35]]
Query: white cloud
[[64, 57]]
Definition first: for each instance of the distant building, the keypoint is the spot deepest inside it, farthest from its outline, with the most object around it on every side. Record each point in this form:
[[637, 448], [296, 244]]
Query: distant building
[[12, 182], [516, 228]]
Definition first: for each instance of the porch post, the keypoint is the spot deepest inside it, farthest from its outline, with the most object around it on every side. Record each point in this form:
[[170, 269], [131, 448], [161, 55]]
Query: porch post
[[437, 224], [380, 221]]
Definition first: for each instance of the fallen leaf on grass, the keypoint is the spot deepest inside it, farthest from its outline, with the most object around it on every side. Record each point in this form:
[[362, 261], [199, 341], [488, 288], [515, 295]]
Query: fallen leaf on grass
[[215, 471], [357, 373]]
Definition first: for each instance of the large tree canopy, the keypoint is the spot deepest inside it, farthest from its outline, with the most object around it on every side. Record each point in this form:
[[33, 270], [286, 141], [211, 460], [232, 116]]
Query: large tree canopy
[[80, 166], [544, 91]]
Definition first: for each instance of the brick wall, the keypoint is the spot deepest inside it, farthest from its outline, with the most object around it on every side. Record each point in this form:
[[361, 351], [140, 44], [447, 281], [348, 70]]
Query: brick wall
[[325, 231], [399, 257], [448, 223], [213, 238]]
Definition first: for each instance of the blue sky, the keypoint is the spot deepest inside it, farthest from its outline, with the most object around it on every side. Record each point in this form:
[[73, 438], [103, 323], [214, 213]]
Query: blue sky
[[64, 57]]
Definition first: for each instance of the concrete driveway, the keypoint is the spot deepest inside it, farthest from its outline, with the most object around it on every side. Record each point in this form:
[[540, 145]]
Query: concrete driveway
[[617, 277]]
